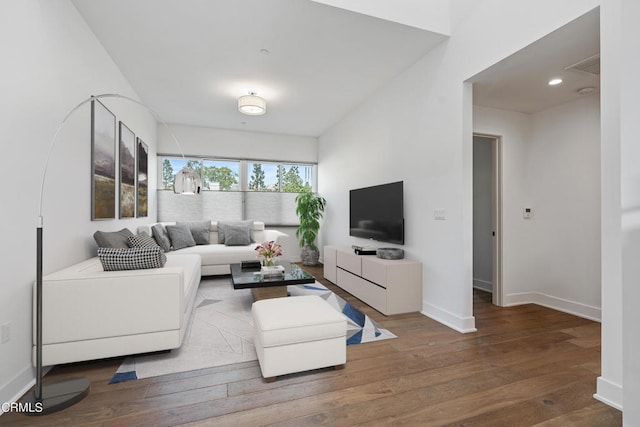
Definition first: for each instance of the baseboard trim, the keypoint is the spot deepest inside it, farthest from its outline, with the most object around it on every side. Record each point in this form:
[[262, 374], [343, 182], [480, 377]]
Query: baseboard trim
[[609, 393], [560, 304], [463, 325], [483, 285], [13, 390]]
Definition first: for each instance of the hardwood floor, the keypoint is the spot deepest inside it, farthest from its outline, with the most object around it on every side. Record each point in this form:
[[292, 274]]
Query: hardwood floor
[[526, 366]]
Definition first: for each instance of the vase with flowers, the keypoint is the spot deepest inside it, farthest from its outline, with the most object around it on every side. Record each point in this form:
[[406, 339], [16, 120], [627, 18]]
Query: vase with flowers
[[269, 251]]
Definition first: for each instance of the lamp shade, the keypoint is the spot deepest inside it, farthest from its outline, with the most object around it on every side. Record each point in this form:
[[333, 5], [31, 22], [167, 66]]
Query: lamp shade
[[187, 181], [252, 104]]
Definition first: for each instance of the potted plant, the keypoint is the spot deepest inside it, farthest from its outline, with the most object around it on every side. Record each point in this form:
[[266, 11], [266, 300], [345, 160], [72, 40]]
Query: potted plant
[[309, 209]]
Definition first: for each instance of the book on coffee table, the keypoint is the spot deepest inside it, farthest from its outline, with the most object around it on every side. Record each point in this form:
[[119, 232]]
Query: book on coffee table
[[272, 271]]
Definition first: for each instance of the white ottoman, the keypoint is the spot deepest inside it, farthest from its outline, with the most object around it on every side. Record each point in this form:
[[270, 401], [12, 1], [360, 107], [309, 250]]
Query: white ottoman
[[295, 334]]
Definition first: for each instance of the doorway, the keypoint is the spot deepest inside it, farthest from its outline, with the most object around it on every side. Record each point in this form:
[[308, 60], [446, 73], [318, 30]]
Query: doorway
[[487, 224]]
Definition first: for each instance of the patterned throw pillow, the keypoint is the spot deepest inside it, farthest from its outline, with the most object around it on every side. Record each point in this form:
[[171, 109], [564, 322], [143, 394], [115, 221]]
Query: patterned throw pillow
[[116, 259], [142, 240]]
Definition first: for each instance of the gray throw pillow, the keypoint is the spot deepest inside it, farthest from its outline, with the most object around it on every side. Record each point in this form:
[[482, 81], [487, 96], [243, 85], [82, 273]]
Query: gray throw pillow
[[236, 236], [223, 225], [116, 259], [180, 236], [200, 231], [112, 239], [161, 236]]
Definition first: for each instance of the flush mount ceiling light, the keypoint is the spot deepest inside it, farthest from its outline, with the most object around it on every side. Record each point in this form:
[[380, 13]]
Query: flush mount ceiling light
[[555, 81], [252, 104]]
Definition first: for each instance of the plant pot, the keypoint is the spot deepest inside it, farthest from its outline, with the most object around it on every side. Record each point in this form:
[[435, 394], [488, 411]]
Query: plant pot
[[309, 256]]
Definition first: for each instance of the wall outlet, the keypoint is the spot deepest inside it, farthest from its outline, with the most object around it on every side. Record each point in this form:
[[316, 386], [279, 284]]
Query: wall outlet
[[6, 332], [439, 214]]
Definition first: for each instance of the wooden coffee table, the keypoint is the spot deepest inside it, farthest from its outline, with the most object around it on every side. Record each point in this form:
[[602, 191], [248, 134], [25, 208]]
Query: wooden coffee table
[[269, 288]]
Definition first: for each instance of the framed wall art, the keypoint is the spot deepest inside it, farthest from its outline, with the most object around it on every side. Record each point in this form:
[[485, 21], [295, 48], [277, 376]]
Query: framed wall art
[[127, 172], [142, 181], [103, 162]]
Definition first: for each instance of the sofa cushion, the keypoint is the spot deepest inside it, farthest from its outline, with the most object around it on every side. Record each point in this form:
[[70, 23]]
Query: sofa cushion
[[220, 254], [112, 239], [180, 236], [161, 236], [116, 259], [200, 230], [244, 226], [236, 236], [142, 240]]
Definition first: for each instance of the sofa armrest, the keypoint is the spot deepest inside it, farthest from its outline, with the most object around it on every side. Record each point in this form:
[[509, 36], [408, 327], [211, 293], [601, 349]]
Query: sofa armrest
[[276, 236], [111, 303]]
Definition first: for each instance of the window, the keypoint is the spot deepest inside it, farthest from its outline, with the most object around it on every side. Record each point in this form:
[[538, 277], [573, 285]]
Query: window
[[263, 177], [296, 178], [217, 175], [221, 175], [285, 178], [171, 166], [236, 189]]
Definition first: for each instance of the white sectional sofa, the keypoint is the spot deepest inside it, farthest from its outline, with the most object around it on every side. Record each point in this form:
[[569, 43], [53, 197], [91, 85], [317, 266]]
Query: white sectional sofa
[[217, 257], [89, 313]]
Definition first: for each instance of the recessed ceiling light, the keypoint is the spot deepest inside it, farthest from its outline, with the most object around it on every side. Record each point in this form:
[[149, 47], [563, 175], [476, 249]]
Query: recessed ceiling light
[[555, 81]]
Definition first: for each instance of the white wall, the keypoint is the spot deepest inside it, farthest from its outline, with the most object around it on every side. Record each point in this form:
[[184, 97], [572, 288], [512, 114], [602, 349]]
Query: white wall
[[418, 129], [431, 15], [50, 62], [551, 163], [629, 149], [235, 144]]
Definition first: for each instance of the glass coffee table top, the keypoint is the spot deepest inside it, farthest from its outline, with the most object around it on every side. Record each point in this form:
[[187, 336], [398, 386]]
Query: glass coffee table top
[[250, 278]]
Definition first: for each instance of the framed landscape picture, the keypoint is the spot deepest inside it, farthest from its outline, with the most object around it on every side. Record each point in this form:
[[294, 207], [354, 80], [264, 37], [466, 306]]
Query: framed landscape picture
[[142, 182], [127, 172], [103, 162]]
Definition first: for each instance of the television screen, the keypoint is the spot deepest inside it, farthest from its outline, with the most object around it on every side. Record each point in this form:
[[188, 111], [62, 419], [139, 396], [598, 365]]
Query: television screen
[[377, 213]]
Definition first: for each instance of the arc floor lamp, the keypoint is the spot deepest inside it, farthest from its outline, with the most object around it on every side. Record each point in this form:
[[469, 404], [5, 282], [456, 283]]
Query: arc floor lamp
[[53, 397]]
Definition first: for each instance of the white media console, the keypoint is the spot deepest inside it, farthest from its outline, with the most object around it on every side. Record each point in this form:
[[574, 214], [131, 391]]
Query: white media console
[[389, 286]]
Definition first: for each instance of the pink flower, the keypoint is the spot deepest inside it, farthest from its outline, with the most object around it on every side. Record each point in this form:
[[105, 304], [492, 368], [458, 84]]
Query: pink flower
[[269, 249]]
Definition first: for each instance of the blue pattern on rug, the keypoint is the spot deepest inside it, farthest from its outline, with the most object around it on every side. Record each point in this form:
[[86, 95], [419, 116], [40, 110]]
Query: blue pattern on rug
[[121, 377], [355, 339], [354, 314]]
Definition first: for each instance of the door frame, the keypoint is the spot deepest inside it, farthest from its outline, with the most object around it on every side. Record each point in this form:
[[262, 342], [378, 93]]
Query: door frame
[[496, 215]]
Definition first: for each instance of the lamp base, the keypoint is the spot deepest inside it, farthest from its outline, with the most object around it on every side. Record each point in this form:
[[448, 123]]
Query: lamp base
[[56, 396]]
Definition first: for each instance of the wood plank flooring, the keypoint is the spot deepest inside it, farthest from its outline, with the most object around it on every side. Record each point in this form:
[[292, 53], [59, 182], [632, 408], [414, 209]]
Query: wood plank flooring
[[526, 366]]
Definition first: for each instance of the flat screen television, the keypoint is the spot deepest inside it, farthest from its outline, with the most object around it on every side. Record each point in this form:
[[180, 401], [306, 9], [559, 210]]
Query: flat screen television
[[377, 213]]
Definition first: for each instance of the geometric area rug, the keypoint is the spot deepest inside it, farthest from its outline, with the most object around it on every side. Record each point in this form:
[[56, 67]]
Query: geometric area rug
[[220, 331]]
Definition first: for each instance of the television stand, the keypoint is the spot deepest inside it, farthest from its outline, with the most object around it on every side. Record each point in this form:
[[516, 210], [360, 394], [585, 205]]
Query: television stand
[[389, 286]]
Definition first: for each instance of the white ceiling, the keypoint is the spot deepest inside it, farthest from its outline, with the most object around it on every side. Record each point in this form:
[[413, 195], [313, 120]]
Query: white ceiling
[[519, 82], [189, 60]]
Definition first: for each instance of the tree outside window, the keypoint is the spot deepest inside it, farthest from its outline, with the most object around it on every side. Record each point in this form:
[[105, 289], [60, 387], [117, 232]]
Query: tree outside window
[[221, 175], [295, 180]]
